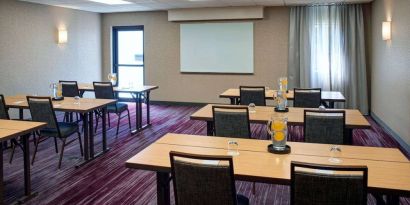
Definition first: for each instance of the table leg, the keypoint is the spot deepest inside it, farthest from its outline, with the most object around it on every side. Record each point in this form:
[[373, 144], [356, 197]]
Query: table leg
[[104, 129], [21, 114], [210, 128], [236, 101], [147, 98], [136, 99], [331, 104], [232, 101], [82, 93], [1, 176], [139, 111], [27, 176], [348, 138], [91, 134], [163, 195], [392, 200], [85, 124]]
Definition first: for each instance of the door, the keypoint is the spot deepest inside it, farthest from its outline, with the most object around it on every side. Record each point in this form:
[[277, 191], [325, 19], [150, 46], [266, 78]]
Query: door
[[128, 56]]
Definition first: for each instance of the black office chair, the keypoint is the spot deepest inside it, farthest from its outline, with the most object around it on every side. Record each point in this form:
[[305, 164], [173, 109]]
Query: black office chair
[[105, 90], [41, 109], [231, 121], [69, 89], [252, 94], [198, 183], [307, 98], [328, 184], [327, 127], [4, 114]]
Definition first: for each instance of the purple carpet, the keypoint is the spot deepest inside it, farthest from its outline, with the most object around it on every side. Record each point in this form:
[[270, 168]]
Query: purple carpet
[[107, 181]]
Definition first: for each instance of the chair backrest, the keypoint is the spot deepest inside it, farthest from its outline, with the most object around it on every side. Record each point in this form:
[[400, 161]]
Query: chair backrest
[[103, 90], [231, 121], [252, 94], [328, 184], [41, 110], [200, 179], [69, 88], [326, 127], [4, 114], [309, 98]]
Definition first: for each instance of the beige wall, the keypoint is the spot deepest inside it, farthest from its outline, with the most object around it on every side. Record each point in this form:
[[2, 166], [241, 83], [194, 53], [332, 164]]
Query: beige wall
[[30, 58], [391, 66], [162, 59]]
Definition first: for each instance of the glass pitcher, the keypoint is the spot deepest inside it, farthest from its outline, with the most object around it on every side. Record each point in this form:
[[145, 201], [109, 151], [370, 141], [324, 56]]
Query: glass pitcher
[[283, 83], [278, 129], [282, 100]]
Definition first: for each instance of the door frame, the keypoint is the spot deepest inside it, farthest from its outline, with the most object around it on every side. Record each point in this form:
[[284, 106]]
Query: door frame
[[115, 65]]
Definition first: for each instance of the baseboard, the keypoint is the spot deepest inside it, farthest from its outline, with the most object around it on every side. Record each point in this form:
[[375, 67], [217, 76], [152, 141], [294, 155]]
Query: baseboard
[[397, 137], [155, 102]]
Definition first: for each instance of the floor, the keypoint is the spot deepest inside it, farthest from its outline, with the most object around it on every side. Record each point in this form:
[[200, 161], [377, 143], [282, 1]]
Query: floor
[[107, 181]]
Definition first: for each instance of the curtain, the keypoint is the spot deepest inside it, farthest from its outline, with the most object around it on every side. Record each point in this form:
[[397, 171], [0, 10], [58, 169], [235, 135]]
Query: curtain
[[327, 50]]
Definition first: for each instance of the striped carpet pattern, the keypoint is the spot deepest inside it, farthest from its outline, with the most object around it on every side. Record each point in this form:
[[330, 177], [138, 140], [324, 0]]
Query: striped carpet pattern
[[106, 180]]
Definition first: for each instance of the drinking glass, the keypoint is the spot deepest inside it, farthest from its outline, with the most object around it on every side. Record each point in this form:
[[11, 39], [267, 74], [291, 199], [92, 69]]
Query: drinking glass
[[278, 129], [233, 148], [335, 152], [77, 100], [252, 108]]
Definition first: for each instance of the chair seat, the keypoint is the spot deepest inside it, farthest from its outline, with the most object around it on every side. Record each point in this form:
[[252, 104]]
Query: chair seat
[[242, 200], [66, 129], [117, 108]]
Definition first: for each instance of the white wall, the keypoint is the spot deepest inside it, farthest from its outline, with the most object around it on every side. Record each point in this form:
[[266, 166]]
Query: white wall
[[30, 58], [390, 63]]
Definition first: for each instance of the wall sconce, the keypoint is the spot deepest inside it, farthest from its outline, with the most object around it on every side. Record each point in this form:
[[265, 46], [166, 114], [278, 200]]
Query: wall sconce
[[62, 36], [386, 30]]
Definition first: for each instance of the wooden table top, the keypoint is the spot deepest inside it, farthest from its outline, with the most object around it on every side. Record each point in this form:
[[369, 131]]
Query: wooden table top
[[299, 148], [385, 176], [354, 119], [138, 89], [67, 105], [334, 96], [13, 128]]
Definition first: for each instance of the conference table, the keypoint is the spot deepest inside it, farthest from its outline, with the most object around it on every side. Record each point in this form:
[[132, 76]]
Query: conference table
[[327, 96], [389, 169], [354, 119], [137, 93], [10, 129], [85, 107]]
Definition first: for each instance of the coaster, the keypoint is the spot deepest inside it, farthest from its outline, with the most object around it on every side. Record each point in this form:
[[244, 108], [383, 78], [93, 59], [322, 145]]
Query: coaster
[[285, 151], [285, 110], [57, 98]]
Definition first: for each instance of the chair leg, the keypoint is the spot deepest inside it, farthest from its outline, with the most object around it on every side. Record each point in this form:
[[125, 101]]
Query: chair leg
[[118, 123], [129, 119], [61, 153], [55, 144], [35, 149], [81, 144], [13, 148]]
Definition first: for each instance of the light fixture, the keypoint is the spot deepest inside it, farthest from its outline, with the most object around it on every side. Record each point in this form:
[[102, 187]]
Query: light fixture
[[112, 2], [62, 36], [386, 30]]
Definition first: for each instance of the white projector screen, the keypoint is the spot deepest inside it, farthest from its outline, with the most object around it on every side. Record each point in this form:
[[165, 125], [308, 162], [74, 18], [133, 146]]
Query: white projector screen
[[217, 48]]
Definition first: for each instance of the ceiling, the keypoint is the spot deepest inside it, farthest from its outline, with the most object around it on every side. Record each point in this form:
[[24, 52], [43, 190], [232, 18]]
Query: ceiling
[[152, 5]]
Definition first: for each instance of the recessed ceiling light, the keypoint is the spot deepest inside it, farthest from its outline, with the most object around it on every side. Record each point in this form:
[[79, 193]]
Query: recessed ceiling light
[[112, 2]]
